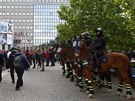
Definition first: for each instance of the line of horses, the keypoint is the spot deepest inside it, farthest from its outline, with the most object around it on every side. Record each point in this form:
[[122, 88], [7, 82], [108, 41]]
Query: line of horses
[[78, 59]]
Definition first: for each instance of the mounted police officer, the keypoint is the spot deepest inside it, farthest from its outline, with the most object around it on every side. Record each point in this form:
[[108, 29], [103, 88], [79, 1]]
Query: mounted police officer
[[98, 45], [87, 38]]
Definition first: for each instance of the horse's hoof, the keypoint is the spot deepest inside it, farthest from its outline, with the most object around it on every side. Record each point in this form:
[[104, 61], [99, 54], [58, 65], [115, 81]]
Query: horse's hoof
[[79, 89], [87, 92], [95, 82], [90, 96], [71, 79], [108, 90], [128, 97], [76, 84], [118, 93]]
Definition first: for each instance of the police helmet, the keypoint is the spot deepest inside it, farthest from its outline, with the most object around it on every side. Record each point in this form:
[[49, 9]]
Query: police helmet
[[85, 35], [99, 30]]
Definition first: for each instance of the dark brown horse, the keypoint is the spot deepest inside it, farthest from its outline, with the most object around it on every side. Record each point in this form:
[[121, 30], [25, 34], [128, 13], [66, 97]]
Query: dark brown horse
[[60, 58], [68, 52], [85, 62], [118, 61]]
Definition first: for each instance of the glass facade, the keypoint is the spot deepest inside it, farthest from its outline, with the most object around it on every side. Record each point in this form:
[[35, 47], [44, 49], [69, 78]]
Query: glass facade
[[45, 21]]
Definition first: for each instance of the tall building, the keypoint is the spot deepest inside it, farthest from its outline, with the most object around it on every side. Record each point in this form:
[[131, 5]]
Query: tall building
[[34, 20]]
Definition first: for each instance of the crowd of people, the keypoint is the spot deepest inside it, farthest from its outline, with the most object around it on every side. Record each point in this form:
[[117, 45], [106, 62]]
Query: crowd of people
[[17, 60]]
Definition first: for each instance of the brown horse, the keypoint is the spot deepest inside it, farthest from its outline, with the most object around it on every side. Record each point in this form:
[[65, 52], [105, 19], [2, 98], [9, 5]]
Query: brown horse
[[118, 61], [68, 52], [61, 59], [87, 64], [121, 63]]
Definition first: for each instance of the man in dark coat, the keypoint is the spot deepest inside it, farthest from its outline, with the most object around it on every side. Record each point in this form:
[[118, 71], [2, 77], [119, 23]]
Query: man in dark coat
[[98, 45], [10, 64], [24, 64]]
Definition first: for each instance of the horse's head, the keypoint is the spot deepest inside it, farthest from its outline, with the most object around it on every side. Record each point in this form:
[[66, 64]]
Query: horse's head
[[64, 48], [81, 43]]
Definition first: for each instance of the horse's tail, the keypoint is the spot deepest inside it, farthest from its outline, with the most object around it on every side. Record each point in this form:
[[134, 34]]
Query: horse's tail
[[130, 75]]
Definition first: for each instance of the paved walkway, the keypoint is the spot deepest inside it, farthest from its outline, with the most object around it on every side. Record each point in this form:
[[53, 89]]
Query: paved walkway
[[49, 85]]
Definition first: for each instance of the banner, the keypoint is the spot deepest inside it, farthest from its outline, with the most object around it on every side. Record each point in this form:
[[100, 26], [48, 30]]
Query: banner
[[3, 38], [6, 38], [6, 27], [9, 39]]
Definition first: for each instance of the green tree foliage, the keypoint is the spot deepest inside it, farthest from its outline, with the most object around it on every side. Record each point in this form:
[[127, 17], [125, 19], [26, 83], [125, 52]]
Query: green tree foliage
[[116, 17]]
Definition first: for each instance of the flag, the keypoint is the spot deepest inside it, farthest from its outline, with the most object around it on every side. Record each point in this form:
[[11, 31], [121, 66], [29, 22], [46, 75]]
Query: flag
[[22, 33]]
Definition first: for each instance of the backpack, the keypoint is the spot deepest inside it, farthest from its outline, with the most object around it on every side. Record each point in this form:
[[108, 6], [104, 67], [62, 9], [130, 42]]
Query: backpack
[[17, 61]]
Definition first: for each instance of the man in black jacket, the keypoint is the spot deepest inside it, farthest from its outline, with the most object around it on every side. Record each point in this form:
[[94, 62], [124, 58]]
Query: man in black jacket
[[98, 45], [1, 65], [10, 64], [23, 64]]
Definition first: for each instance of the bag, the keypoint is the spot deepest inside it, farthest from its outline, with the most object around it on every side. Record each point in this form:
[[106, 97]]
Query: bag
[[17, 61]]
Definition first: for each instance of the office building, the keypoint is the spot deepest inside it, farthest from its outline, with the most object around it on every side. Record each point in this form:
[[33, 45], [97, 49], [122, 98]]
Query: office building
[[34, 20]]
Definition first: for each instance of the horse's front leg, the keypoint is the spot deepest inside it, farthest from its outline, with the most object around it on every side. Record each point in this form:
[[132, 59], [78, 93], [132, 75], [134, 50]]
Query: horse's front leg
[[68, 69], [64, 71], [88, 77], [109, 81]]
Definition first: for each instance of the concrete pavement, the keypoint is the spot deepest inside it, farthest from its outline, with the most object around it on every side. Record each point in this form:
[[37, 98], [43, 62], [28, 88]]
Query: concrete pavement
[[50, 85]]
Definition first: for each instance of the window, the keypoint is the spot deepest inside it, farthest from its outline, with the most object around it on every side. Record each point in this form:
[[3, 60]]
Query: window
[[7, 13], [31, 13], [23, 27], [20, 6], [27, 27], [12, 6], [31, 27], [23, 20], [23, 13], [28, 13], [31, 20], [8, 6], [20, 13], [27, 20], [16, 20], [3, 13], [4, 6], [16, 13], [15, 27], [19, 20], [7, 20], [19, 27], [16, 6]]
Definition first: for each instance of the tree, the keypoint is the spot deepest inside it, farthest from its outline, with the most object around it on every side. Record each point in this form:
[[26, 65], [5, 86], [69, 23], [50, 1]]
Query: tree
[[116, 17]]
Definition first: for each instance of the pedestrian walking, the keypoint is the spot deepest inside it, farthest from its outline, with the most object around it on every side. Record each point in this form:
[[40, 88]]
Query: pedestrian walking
[[20, 63], [10, 63], [42, 60], [34, 59]]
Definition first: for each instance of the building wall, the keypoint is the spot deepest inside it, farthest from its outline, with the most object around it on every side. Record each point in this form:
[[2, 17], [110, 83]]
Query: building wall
[[45, 21], [21, 14]]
